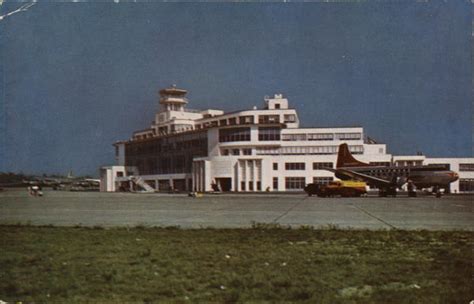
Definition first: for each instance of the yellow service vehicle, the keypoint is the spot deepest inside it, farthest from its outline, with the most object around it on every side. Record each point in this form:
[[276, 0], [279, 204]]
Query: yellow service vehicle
[[347, 188]]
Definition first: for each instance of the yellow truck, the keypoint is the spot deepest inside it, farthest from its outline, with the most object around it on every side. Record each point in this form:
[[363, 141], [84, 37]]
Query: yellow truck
[[347, 188]]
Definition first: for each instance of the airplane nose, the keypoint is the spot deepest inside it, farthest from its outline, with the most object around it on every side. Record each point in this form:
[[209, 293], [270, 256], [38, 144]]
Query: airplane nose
[[454, 176]]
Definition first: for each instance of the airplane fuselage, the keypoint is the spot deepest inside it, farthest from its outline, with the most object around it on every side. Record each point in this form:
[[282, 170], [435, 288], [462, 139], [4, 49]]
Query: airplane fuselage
[[421, 176]]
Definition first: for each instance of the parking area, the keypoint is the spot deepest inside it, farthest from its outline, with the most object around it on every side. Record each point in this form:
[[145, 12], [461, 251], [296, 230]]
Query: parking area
[[63, 208]]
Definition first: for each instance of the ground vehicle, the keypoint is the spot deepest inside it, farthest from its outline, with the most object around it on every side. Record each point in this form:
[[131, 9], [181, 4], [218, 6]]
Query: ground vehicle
[[348, 188]]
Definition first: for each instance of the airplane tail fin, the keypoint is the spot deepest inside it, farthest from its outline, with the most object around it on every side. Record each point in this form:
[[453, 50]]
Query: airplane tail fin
[[345, 158]]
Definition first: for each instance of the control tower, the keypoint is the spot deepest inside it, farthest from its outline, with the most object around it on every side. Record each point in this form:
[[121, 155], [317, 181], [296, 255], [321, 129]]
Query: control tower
[[173, 99]]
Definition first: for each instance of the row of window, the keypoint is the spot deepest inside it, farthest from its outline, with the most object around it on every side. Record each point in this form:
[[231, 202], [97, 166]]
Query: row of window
[[466, 185], [268, 119], [401, 163], [243, 134], [274, 134], [466, 167], [234, 134], [245, 120], [348, 136], [298, 150], [320, 136], [237, 152], [268, 134], [295, 166], [381, 164], [302, 166]]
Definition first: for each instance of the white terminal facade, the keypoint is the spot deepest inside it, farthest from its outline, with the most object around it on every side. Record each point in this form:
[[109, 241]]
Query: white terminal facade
[[253, 150]]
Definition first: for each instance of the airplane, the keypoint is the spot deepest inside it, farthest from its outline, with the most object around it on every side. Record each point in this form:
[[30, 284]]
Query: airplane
[[70, 181], [388, 178]]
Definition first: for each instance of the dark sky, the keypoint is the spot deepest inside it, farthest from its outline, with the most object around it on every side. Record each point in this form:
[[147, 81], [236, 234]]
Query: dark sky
[[79, 76]]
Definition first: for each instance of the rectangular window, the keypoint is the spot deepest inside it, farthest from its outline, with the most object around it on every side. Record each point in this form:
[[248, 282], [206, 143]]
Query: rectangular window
[[223, 122], [268, 119], [235, 152], [466, 167], [322, 166], [119, 174], [320, 136], [268, 133], [466, 184], [322, 180], [348, 136], [444, 166], [275, 183], [275, 166], [259, 186], [384, 164], [225, 152], [289, 118], [245, 120], [242, 186], [232, 121], [234, 134], [295, 166], [295, 183], [356, 149], [293, 137], [247, 151], [250, 185]]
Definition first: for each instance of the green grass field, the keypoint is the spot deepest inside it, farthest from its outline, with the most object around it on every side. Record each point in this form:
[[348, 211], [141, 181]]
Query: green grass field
[[263, 264]]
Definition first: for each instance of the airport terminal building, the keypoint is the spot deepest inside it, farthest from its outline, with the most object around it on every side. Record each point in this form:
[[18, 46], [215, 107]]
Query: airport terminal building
[[261, 149]]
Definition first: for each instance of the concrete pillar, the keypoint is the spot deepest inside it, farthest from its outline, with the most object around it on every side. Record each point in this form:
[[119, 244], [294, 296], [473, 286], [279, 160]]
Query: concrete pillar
[[236, 177], [254, 175], [201, 176], [246, 175], [193, 178], [207, 176]]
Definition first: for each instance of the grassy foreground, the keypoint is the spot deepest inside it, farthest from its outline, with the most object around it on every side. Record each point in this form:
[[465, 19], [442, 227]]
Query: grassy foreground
[[46, 264]]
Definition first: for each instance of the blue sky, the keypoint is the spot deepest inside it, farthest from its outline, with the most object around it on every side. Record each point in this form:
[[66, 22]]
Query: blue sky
[[79, 76]]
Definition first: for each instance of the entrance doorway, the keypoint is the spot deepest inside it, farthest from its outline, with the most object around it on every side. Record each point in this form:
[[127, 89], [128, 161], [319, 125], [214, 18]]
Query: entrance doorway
[[224, 183]]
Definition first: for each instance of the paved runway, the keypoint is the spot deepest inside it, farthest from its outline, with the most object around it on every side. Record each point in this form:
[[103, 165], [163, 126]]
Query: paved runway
[[230, 210]]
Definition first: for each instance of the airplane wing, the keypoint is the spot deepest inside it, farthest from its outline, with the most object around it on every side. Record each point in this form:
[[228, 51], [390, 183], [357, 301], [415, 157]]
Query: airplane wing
[[378, 182], [94, 180]]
